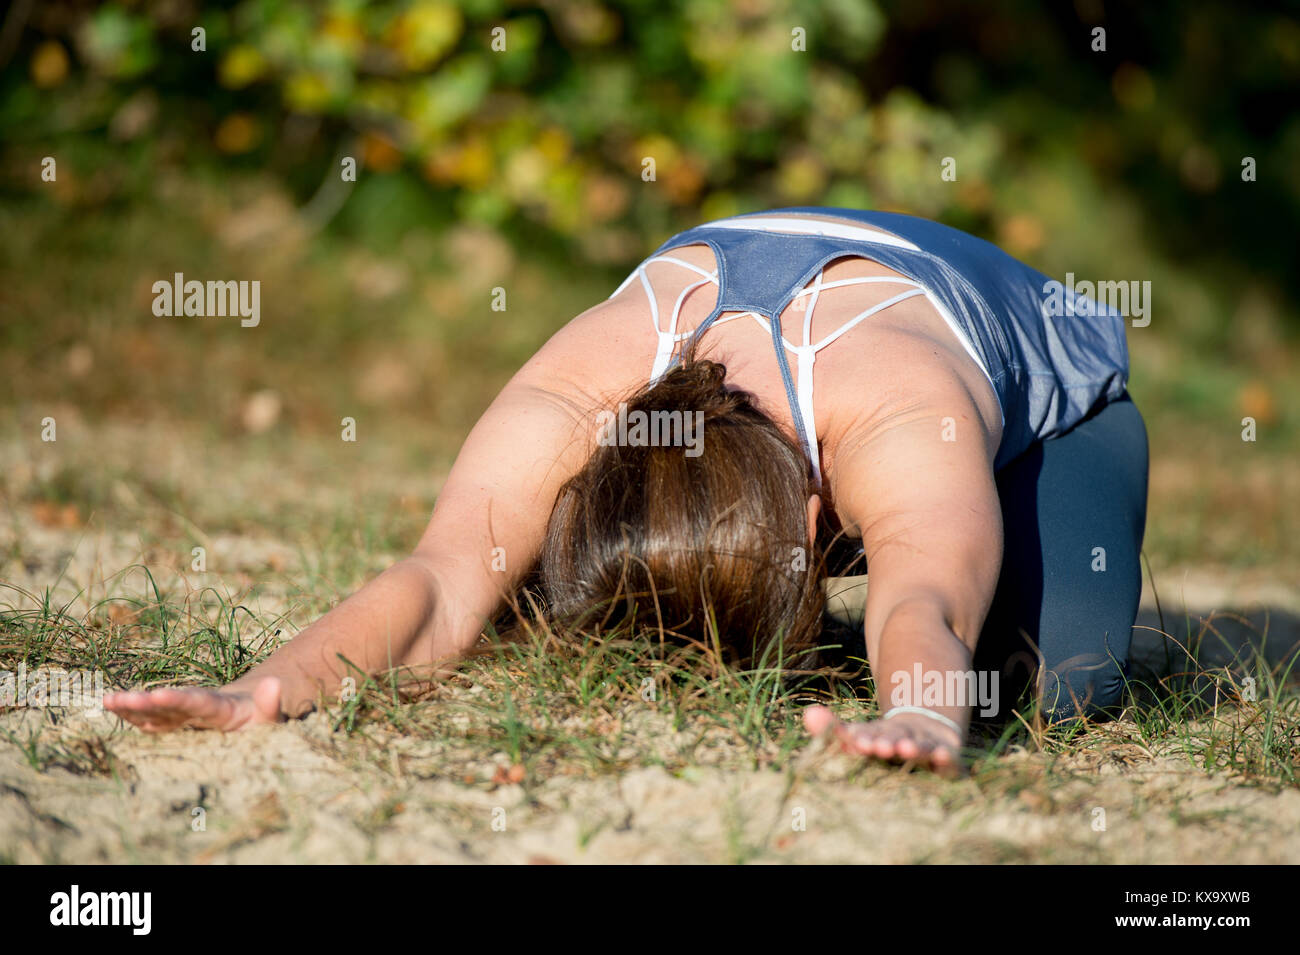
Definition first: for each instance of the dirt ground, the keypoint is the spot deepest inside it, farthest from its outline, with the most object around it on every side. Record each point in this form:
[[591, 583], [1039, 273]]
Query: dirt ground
[[76, 787], [298, 793]]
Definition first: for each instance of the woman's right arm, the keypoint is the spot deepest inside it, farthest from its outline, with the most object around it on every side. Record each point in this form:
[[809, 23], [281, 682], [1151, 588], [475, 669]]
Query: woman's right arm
[[483, 537]]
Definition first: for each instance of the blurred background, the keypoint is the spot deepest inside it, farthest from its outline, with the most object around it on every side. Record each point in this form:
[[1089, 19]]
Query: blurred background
[[1171, 156]]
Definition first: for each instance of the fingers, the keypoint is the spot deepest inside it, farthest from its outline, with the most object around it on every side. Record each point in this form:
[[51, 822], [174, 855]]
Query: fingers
[[158, 711], [879, 740], [890, 741], [135, 707]]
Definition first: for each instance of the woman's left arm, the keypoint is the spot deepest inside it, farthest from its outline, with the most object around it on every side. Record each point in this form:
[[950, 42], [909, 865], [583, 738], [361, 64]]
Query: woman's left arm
[[916, 480]]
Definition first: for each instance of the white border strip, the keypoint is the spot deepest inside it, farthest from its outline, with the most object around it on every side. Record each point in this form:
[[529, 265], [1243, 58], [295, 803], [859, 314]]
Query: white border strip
[[836, 230]]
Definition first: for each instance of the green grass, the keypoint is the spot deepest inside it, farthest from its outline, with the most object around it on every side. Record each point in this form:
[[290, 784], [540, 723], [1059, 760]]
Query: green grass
[[593, 704], [560, 706]]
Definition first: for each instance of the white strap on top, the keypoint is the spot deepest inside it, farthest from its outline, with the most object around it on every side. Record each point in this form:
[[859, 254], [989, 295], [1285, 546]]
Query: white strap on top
[[805, 354], [668, 339]]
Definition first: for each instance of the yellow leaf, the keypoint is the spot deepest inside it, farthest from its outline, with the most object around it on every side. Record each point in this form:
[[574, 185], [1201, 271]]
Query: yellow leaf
[[244, 64], [425, 33], [238, 133], [49, 64]]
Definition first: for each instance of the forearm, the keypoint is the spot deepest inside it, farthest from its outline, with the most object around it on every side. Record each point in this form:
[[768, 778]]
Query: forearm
[[401, 618], [919, 661]]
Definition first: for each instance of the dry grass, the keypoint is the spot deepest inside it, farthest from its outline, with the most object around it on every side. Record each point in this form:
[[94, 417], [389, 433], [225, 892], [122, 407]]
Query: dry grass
[[561, 741], [176, 435]]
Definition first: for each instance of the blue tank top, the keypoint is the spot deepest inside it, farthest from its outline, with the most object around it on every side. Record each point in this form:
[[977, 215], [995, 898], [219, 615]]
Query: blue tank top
[[1048, 370]]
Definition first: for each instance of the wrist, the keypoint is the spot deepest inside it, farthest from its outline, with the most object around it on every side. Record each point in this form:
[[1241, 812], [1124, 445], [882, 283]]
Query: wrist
[[457, 604], [932, 716]]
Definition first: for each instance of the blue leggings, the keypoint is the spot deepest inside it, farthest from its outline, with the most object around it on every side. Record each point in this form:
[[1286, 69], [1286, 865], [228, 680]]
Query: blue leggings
[[1073, 512]]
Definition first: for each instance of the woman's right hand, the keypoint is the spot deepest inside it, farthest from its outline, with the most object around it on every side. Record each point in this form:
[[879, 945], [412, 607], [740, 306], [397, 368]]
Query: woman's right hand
[[225, 709]]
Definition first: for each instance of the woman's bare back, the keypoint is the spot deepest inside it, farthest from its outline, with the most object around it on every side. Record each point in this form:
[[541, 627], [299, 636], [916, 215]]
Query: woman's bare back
[[866, 380]]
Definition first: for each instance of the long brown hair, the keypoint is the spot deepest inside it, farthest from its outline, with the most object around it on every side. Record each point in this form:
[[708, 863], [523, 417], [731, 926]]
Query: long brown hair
[[712, 543]]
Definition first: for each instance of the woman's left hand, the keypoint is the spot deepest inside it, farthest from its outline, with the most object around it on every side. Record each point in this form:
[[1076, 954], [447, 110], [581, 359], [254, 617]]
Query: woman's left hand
[[908, 737]]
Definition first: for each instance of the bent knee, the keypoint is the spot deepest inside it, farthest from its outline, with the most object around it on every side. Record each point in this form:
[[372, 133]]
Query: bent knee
[[1090, 686]]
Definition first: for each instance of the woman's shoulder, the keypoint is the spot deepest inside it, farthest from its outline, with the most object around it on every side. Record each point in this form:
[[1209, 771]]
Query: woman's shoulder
[[906, 365], [603, 351]]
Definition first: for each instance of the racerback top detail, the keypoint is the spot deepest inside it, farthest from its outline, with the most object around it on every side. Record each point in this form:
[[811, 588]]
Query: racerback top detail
[[1048, 371]]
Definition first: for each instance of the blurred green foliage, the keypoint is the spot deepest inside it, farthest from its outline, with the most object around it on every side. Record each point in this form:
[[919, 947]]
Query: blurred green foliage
[[523, 166], [742, 104]]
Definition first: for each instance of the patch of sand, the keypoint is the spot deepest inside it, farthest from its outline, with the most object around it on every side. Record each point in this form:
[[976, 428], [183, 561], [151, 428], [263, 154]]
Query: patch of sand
[[300, 792]]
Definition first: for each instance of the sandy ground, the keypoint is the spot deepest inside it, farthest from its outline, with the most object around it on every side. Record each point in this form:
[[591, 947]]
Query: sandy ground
[[301, 792], [75, 787]]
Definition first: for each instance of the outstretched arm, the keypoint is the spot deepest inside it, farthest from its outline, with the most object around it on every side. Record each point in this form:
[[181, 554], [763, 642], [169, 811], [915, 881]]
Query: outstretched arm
[[918, 483], [484, 535]]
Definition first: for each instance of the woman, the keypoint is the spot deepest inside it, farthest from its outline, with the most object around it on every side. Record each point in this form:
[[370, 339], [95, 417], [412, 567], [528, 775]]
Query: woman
[[878, 375]]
